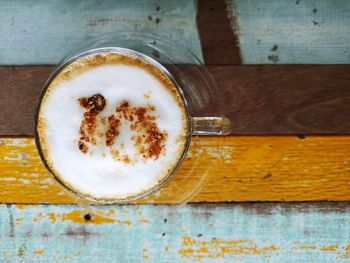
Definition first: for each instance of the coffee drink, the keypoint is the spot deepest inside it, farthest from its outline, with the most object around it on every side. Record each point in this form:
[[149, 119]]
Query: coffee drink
[[112, 125]]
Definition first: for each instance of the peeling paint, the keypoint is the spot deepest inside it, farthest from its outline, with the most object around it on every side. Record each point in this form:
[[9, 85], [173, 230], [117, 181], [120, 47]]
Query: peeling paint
[[243, 163], [24, 181], [77, 216], [232, 233], [195, 249], [219, 248], [21, 251], [309, 32], [70, 24], [8, 179], [143, 220], [5, 255], [19, 220]]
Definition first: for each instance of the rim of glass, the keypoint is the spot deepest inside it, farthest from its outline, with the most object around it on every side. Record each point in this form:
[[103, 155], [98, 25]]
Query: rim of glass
[[154, 63]]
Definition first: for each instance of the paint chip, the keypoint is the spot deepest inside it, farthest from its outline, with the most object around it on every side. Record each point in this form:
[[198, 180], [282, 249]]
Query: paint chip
[[274, 48], [268, 176], [20, 252], [301, 136], [273, 58], [156, 53]]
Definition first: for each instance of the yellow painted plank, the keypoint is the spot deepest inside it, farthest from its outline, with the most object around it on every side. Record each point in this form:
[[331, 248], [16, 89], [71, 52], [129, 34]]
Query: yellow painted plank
[[240, 168]]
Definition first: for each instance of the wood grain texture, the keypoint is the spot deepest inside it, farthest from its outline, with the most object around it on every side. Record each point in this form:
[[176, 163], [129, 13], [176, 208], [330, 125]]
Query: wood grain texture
[[286, 99], [20, 88], [303, 32], [293, 32], [218, 40], [257, 99], [243, 168], [203, 233], [43, 32]]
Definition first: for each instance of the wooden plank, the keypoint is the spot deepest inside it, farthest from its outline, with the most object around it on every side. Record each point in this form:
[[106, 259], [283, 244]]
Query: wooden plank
[[312, 32], [257, 99], [19, 96], [293, 32], [211, 233], [242, 168], [218, 41], [285, 99], [43, 32]]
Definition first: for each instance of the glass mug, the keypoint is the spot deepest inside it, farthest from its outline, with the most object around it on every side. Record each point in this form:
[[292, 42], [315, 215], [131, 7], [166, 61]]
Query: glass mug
[[212, 125]]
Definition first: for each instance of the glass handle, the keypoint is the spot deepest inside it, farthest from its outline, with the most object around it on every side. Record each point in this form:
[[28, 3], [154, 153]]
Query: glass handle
[[211, 126]]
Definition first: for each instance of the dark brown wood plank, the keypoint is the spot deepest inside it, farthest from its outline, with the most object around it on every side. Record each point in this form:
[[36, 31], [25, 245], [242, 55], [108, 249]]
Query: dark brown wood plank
[[257, 99], [20, 88], [220, 45], [286, 99]]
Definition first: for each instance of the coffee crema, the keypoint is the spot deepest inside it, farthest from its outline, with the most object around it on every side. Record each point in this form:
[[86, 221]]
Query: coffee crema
[[112, 126]]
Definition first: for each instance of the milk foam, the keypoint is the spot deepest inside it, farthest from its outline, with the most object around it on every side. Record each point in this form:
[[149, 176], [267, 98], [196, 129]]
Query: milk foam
[[98, 174]]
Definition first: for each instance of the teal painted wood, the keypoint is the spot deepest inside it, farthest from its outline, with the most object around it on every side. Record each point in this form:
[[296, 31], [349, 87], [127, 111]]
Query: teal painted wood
[[42, 32], [208, 233], [293, 32]]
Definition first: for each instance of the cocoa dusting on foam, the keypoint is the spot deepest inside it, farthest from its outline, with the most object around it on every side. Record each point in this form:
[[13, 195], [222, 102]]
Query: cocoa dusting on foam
[[149, 140], [93, 106], [112, 131]]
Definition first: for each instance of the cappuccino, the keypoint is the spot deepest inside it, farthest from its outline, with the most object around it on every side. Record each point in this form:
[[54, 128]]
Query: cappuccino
[[112, 126]]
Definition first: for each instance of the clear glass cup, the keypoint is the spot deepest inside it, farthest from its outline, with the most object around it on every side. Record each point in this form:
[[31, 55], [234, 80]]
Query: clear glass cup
[[199, 125]]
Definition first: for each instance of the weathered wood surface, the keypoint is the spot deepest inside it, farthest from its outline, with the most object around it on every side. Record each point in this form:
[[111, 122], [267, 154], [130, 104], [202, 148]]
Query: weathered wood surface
[[292, 32], [203, 233], [219, 42], [243, 168], [277, 32], [43, 32], [257, 99]]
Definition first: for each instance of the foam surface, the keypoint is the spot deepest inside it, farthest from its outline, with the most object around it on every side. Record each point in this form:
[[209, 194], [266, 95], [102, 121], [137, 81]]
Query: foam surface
[[98, 174]]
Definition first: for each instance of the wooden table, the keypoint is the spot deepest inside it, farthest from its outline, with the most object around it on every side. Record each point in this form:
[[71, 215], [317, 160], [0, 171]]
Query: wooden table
[[280, 192]]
